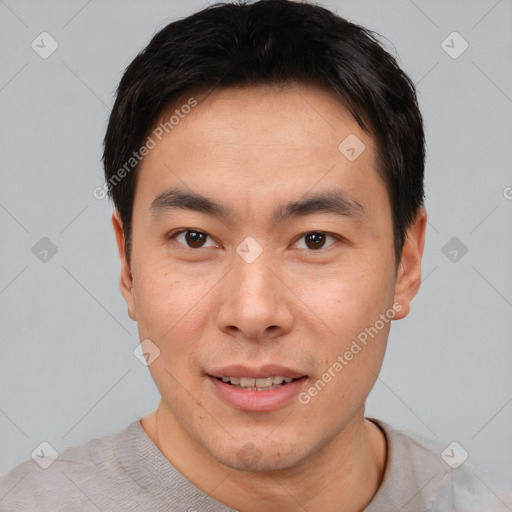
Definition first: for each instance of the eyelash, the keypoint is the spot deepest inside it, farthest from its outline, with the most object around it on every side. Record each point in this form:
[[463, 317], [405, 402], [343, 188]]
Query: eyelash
[[175, 234]]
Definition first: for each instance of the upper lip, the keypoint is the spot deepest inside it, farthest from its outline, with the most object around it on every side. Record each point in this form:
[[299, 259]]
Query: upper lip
[[260, 372]]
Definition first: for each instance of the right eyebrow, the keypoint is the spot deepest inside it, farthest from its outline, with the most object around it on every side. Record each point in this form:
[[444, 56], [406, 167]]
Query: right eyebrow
[[177, 198]]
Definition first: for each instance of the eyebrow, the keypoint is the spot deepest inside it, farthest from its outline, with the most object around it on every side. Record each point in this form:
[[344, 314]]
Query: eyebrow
[[335, 201]]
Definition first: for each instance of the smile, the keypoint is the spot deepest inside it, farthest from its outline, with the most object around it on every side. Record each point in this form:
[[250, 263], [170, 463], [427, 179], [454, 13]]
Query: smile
[[251, 394], [260, 384]]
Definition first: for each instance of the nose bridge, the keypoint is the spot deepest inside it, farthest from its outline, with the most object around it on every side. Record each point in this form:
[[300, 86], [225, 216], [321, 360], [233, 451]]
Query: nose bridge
[[252, 282], [255, 300]]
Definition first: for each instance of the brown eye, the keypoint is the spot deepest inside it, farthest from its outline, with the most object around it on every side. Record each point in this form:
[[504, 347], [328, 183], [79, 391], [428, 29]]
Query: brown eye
[[192, 239], [195, 238], [314, 240]]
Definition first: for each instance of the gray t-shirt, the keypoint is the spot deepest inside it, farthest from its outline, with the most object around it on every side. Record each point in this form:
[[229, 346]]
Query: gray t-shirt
[[126, 472]]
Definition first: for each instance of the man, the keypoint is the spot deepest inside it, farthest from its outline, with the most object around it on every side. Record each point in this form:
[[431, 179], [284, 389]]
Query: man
[[266, 164]]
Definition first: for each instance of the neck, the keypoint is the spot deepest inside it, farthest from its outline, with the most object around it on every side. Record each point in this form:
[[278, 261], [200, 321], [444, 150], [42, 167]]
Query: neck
[[343, 476]]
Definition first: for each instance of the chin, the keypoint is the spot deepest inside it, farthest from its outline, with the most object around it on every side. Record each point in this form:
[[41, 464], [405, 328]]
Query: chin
[[263, 457]]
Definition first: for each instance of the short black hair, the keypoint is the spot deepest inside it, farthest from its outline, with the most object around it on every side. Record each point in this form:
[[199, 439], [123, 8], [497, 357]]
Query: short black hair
[[272, 42]]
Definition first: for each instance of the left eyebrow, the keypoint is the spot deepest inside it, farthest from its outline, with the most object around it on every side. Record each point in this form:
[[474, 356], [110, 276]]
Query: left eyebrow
[[334, 201]]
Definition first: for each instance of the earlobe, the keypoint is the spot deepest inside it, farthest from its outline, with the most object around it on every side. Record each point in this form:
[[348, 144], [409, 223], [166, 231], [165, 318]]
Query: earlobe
[[408, 278], [126, 279]]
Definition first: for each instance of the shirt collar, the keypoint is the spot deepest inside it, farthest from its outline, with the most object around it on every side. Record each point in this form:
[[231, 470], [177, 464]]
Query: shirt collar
[[413, 474]]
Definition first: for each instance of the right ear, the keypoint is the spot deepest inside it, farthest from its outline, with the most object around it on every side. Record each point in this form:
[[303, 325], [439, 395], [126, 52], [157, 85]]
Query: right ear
[[126, 281]]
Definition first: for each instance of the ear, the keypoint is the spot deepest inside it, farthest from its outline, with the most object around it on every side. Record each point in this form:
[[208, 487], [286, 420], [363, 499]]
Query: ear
[[409, 270], [126, 281]]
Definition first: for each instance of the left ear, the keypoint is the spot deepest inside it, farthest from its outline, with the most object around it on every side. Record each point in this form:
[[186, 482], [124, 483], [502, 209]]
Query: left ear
[[408, 278]]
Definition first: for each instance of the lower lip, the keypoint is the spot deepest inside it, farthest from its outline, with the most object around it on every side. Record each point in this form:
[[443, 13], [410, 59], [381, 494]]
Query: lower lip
[[258, 401]]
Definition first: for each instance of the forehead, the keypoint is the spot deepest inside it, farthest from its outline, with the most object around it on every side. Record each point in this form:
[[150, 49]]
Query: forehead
[[294, 116], [252, 139]]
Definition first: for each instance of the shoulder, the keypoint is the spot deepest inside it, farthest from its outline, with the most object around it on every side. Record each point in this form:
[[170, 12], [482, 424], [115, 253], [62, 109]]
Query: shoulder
[[59, 484], [436, 477]]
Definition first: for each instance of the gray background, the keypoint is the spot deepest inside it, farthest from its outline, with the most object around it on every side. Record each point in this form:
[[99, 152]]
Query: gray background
[[67, 371]]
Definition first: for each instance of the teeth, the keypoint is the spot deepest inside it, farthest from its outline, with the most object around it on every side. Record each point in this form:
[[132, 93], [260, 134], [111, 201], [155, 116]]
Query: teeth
[[261, 383]]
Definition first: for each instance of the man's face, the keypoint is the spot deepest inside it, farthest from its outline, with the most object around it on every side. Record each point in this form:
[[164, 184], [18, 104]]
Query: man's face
[[209, 300]]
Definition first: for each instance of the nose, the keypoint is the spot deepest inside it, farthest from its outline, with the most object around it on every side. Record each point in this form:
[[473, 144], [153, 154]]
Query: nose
[[257, 304]]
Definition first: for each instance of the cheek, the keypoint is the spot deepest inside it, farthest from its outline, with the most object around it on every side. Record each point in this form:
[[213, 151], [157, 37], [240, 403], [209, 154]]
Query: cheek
[[171, 314], [352, 297], [169, 308], [350, 362], [351, 304]]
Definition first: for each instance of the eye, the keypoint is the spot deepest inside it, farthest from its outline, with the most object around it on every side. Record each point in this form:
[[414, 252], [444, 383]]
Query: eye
[[192, 238], [315, 240]]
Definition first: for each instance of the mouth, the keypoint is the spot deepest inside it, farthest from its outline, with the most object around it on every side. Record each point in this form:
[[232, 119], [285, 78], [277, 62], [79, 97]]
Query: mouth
[[257, 390], [257, 384]]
